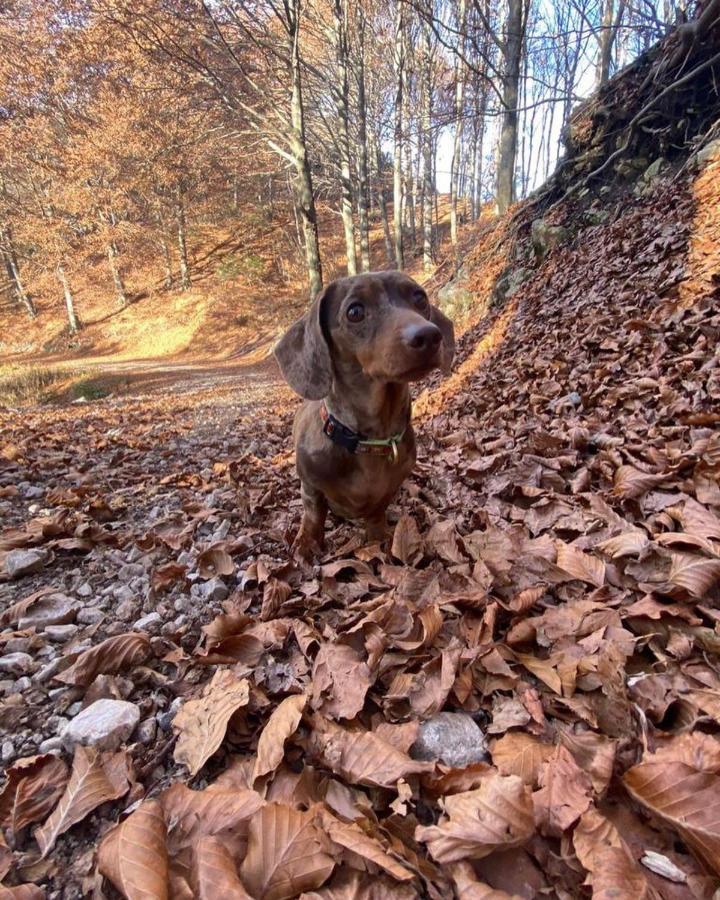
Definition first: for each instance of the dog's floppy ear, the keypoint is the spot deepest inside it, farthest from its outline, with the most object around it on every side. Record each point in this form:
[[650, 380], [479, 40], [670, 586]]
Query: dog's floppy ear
[[303, 353], [447, 353]]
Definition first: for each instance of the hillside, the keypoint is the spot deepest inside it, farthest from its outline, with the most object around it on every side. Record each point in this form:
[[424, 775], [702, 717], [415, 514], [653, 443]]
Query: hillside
[[552, 586]]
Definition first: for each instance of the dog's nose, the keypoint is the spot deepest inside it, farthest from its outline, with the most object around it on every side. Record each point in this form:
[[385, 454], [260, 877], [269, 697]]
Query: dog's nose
[[422, 338]]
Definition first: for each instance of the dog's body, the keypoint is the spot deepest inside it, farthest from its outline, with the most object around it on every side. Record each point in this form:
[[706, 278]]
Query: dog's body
[[352, 356]]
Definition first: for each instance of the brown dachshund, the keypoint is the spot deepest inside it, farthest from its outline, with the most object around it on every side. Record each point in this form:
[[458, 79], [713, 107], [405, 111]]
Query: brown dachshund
[[352, 356]]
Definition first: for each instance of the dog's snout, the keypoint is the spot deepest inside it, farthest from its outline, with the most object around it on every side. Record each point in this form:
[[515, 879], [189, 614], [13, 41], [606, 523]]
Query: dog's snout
[[422, 338]]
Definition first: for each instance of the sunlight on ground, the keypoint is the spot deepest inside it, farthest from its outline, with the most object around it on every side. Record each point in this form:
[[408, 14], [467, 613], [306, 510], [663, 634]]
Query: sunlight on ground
[[703, 259]]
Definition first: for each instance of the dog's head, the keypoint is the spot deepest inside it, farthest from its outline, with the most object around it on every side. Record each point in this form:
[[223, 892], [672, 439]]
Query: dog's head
[[380, 321]]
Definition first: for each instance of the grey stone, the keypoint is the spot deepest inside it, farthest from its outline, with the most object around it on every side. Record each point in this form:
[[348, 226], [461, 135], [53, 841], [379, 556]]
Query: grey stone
[[146, 731], [129, 570], [7, 686], [215, 590], [23, 684], [105, 724], [61, 633], [165, 719], [52, 609], [18, 645], [90, 616], [545, 237], [51, 744], [124, 592], [47, 672], [152, 623], [17, 663], [509, 284], [25, 562], [652, 174], [85, 590], [8, 751], [707, 153], [127, 610], [33, 492], [452, 738]]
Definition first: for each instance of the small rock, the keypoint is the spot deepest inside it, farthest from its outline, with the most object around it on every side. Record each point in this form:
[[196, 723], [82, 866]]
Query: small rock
[[146, 731], [129, 570], [152, 623], [90, 616], [545, 237], [165, 719], [707, 153], [452, 738], [18, 645], [85, 590], [61, 633], [52, 668], [33, 492], [127, 610], [104, 724], [51, 744], [8, 751], [25, 562], [52, 609], [124, 593], [213, 591], [17, 663], [23, 684], [7, 686]]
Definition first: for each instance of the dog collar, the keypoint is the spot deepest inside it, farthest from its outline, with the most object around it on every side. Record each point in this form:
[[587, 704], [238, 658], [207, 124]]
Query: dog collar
[[354, 442]]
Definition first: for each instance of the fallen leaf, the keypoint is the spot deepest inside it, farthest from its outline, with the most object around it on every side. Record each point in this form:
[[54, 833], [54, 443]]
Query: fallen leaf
[[564, 794], [353, 838], [580, 565], [34, 785], [631, 483], [215, 561], [214, 874], [201, 724], [282, 723], [496, 816], [340, 681], [286, 854], [697, 575], [107, 658], [134, 857], [219, 810], [469, 887], [407, 545], [95, 778], [520, 754]]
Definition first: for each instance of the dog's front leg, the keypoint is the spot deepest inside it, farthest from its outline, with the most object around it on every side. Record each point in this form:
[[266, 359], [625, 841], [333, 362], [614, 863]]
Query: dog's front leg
[[376, 527], [310, 539]]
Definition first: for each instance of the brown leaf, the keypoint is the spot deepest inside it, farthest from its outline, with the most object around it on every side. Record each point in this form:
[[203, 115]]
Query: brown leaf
[[518, 753], [445, 541], [282, 723], [468, 887], [631, 482], [609, 860], [107, 658], [683, 796], [13, 614], [496, 816], [134, 857], [215, 561], [353, 838], [628, 543], [340, 681], [95, 778], [695, 574], [286, 854], [275, 593], [594, 754], [201, 723], [580, 565], [407, 545], [32, 789], [564, 795], [22, 892], [362, 757], [217, 811], [214, 874]]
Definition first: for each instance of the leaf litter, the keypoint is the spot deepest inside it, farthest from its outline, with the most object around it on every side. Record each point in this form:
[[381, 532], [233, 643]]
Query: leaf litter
[[554, 574]]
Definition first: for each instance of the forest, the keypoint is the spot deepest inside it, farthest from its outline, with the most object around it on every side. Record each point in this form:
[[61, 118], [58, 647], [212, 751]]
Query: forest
[[359, 449], [127, 128]]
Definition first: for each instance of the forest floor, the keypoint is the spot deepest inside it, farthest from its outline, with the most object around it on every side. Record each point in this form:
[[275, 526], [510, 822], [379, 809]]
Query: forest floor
[[259, 728]]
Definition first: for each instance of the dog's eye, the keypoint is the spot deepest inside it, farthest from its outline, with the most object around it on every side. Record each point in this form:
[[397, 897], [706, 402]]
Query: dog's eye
[[420, 298], [356, 312]]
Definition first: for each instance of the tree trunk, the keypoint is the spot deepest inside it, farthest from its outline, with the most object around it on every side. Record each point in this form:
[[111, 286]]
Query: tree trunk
[[507, 146], [120, 293], [363, 192], [69, 302], [382, 201], [427, 145], [341, 93], [399, 60], [167, 263], [458, 136], [606, 39], [305, 198], [13, 270], [182, 242]]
